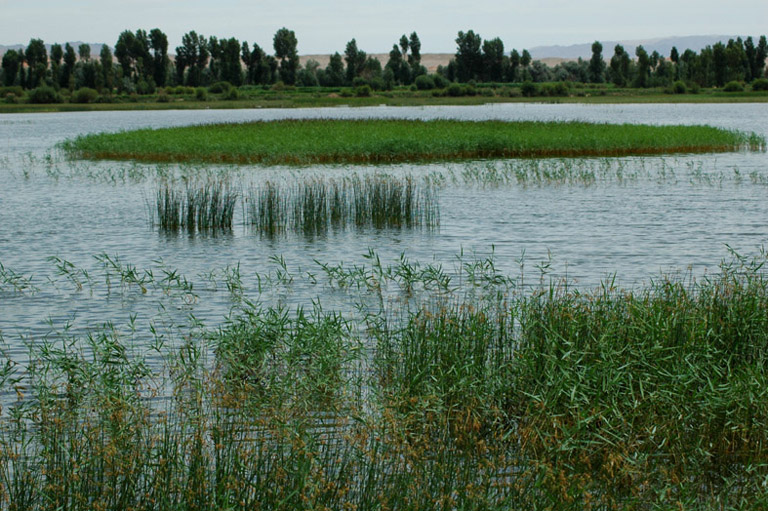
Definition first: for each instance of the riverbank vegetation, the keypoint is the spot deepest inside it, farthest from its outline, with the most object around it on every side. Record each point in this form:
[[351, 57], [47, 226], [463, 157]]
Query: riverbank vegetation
[[301, 142], [140, 70], [442, 391]]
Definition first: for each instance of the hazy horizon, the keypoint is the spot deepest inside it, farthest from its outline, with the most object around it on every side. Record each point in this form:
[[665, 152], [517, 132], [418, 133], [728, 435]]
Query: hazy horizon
[[322, 29]]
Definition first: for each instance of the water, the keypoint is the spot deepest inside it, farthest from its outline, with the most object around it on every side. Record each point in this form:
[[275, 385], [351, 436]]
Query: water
[[678, 214]]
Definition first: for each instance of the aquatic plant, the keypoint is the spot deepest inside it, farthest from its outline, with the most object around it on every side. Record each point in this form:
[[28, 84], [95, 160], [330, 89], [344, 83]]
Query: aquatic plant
[[472, 392], [314, 206], [303, 142], [210, 206]]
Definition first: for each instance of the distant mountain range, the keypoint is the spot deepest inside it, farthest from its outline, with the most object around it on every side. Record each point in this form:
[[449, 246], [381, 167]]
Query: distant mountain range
[[663, 45]]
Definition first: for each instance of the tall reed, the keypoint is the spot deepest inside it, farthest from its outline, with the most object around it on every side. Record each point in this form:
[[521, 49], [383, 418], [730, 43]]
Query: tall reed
[[209, 206], [476, 397], [315, 206]]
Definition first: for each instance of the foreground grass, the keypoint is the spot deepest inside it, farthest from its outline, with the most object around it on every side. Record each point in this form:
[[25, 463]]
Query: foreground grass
[[372, 141], [480, 398]]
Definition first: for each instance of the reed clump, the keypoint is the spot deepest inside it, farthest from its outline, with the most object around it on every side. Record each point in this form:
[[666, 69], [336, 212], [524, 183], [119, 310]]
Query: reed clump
[[210, 206], [304, 142], [480, 396], [314, 206]]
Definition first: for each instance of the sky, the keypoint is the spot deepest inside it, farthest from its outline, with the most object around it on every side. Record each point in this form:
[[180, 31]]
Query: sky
[[326, 26]]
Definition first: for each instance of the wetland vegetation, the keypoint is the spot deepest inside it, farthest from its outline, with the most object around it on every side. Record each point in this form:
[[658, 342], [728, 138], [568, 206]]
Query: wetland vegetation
[[443, 390], [409, 384], [303, 142]]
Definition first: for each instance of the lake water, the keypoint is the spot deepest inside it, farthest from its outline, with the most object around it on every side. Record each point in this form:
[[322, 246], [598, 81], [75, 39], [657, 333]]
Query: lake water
[[653, 215]]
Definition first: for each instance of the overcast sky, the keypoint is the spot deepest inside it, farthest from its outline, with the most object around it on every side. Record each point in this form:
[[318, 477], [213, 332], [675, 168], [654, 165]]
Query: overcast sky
[[325, 27]]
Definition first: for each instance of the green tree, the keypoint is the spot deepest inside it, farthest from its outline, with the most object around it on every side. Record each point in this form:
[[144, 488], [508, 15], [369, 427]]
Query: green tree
[[84, 52], [642, 78], [158, 42], [334, 71], [404, 46], [11, 66], [525, 62], [414, 44], [68, 70], [257, 66], [395, 64], [469, 58], [760, 55], [285, 44], [107, 67], [355, 59], [124, 51], [141, 57], [493, 60], [192, 56], [307, 77], [514, 66], [57, 53], [674, 57], [231, 68], [719, 64], [619, 66], [736, 60], [37, 59], [596, 70]]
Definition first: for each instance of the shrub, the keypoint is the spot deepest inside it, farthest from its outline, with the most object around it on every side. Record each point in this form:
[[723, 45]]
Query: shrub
[[378, 84], [85, 95], [679, 87], [441, 82], [232, 94], [220, 88], [487, 92], [44, 94], [760, 84], [16, 90], [201, 94], [424, 82], [554, 89], [529, 89], [11, 98], [733, 86], [146, 87], [454, 90], [163, 98], [363, 91]]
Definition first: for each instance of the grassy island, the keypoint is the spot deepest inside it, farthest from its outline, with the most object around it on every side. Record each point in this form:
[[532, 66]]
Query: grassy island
[[299, 142]]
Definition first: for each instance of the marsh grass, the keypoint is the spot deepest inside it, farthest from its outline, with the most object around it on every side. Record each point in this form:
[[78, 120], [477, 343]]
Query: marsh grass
[[316, 206], [206, 207], [304, 142], [14, 281], [471, 396]]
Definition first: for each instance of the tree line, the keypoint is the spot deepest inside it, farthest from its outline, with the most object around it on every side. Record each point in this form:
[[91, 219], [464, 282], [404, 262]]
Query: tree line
[[140, 62]]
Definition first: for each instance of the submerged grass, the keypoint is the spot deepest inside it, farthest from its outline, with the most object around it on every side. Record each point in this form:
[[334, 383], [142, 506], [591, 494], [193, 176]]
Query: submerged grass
[[471, 398], [301, 142]]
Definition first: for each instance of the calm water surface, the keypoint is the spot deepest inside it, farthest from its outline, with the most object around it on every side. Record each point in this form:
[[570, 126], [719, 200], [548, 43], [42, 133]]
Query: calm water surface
[[677, 216]]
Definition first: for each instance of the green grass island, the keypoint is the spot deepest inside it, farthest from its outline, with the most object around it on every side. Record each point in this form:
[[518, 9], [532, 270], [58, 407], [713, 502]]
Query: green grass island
[[304, 142]]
